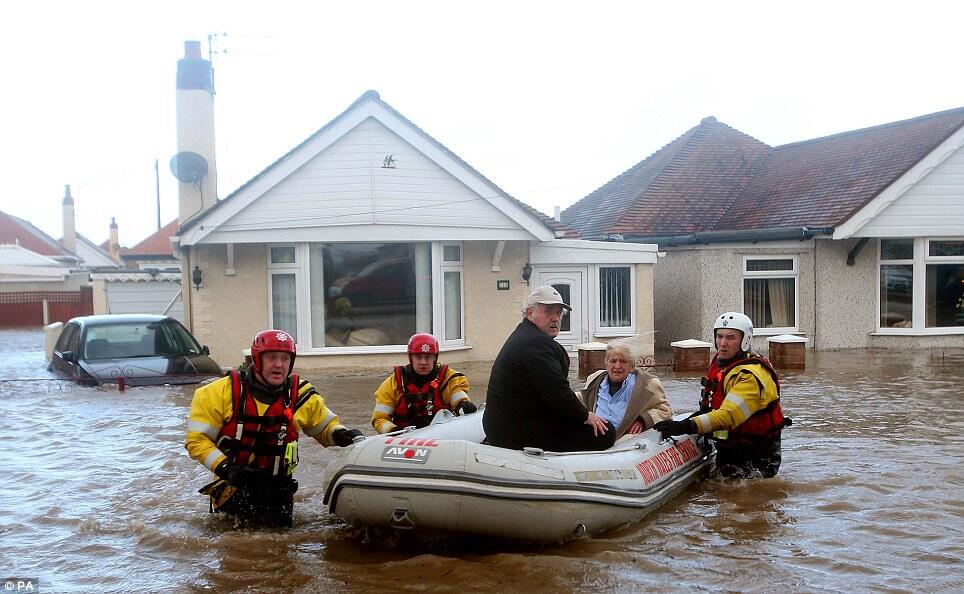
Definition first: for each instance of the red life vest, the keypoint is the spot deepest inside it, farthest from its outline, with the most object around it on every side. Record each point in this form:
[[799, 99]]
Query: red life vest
[[264, 437], [763, 425], [416, 405]]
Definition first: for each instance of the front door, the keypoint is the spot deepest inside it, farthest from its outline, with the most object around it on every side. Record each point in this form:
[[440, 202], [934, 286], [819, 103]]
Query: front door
[[569, 283]]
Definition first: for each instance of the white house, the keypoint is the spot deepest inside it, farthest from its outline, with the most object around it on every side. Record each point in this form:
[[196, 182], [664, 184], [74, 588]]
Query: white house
[[371, 230]]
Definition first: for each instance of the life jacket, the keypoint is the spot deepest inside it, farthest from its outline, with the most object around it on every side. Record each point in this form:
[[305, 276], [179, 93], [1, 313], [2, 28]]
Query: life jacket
[[762, 426], [264, 437], [416, 405]]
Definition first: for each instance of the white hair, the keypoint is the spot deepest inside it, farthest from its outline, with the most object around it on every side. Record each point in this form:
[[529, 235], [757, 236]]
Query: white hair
[[623, 346]]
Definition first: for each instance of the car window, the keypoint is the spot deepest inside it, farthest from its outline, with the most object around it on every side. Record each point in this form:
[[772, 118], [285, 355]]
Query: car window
[[176, 340], [68, 337], [111, 341]]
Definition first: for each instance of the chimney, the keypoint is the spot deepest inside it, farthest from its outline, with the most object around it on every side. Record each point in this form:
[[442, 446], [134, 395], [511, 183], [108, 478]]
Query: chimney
[[70, 230], [557, 214], [195, 134], [113, 246]]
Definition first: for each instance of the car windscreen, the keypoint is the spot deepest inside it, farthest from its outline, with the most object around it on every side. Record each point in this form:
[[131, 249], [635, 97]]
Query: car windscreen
[[133, 339]]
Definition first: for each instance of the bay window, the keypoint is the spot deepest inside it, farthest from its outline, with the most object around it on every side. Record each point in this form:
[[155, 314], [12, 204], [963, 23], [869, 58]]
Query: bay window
[[366, 294], [922, 284]]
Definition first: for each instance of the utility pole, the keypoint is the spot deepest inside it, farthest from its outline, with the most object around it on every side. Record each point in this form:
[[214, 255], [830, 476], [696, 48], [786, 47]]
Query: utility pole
[[157, 192]]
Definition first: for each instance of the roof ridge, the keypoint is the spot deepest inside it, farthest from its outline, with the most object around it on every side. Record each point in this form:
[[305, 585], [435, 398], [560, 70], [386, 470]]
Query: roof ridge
[[687, 148], [616, 220], [874, 128]]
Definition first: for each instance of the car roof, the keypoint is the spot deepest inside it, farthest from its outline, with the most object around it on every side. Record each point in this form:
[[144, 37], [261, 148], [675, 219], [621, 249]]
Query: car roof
[[108, 319]]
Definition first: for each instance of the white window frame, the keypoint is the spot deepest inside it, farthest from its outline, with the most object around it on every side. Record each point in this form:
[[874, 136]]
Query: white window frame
[[595, 280], [439, 268], [921, 259], [793, 273], [296, 268]]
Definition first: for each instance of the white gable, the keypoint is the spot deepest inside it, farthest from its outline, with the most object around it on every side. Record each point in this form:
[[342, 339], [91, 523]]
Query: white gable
[[20, 264], [928, 200], [934, 206], [92, 257], [368, 176]]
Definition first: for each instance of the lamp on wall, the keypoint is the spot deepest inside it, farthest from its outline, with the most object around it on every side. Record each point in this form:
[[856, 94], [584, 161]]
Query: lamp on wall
[[196, 278], [527, 272]]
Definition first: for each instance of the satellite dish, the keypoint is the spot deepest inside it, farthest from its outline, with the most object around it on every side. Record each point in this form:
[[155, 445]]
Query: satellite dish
[[189, 167]]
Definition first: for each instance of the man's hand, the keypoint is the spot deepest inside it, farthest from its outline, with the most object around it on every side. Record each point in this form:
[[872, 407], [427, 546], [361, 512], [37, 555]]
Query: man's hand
[[465, 408], [671, 428], [635, 428], [238, 475], [344, 437], [597, 423]]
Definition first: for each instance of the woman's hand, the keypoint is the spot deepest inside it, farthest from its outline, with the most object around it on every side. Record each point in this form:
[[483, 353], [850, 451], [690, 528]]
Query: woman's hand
[[598, 424], [636, 427]]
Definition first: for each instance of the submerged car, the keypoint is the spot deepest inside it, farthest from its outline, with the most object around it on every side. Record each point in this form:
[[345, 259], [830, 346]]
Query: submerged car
[[146, 350]]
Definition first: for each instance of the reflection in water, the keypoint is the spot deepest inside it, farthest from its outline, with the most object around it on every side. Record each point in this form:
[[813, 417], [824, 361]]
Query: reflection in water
[[101, 496]]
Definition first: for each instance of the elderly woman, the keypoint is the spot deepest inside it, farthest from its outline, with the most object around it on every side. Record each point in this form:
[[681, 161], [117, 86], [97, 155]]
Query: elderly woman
[[629, 398]]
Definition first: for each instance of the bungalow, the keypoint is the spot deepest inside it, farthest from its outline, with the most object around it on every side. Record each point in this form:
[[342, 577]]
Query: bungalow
[[371, 230], [852, 240]]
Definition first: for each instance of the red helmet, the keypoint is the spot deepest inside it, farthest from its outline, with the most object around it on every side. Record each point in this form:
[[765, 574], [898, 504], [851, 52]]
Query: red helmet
[[268, 341], [422, 343]]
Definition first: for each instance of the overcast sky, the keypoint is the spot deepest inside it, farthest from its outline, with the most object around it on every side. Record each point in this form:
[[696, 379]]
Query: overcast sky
[[549, 100]]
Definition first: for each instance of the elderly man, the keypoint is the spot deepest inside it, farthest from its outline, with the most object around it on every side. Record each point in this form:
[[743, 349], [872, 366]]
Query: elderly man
[[529, 401], [625, 395]]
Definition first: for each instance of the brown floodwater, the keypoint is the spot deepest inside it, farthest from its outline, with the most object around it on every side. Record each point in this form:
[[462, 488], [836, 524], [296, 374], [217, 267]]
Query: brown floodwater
[[99, 495]]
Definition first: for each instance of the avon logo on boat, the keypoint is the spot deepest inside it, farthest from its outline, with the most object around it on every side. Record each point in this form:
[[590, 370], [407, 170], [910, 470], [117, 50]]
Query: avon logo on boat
[[405, 454]]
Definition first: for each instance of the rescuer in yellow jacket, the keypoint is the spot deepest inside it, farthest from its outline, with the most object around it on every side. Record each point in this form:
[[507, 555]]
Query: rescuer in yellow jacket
[[740, 405], [244, 427], [413, 394]]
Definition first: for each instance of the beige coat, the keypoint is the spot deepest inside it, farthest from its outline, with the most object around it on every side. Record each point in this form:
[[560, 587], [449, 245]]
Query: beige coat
[[647, 402]]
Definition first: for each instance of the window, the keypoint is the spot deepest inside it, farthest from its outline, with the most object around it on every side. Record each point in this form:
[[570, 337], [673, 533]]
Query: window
[[770, 293], [922, 284], [944, 284], [615, 297], [358, 295], [453, 305], [896, 283], [565, 291], [69, 339], [284, 304], [451, 269]]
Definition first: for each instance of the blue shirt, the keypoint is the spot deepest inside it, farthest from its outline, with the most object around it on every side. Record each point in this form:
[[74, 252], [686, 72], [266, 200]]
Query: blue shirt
[[612, 407]]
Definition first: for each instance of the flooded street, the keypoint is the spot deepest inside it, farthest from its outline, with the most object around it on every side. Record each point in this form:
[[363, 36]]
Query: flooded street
[[100, 496]]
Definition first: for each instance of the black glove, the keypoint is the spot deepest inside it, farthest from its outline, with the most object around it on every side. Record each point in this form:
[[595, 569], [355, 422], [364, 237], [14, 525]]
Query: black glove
[[670, 428], [238, 475], [466, 407], [345, 437]]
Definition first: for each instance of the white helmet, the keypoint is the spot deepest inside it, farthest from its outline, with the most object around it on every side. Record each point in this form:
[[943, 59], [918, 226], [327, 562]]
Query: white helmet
[[737, 321]]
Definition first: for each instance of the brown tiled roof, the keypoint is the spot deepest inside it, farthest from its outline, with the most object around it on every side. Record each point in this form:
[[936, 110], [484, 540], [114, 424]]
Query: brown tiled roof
[[156, 244], [714, 178], [684, 187], [16, 230], [825, 181]]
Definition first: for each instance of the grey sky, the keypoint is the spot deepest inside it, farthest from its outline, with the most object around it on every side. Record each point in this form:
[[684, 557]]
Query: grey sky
[[549, 100]]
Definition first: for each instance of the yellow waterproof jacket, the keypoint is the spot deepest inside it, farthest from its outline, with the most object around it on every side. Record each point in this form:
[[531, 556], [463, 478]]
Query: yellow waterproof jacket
[[455, 387], [213, 406], [748, 388]]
